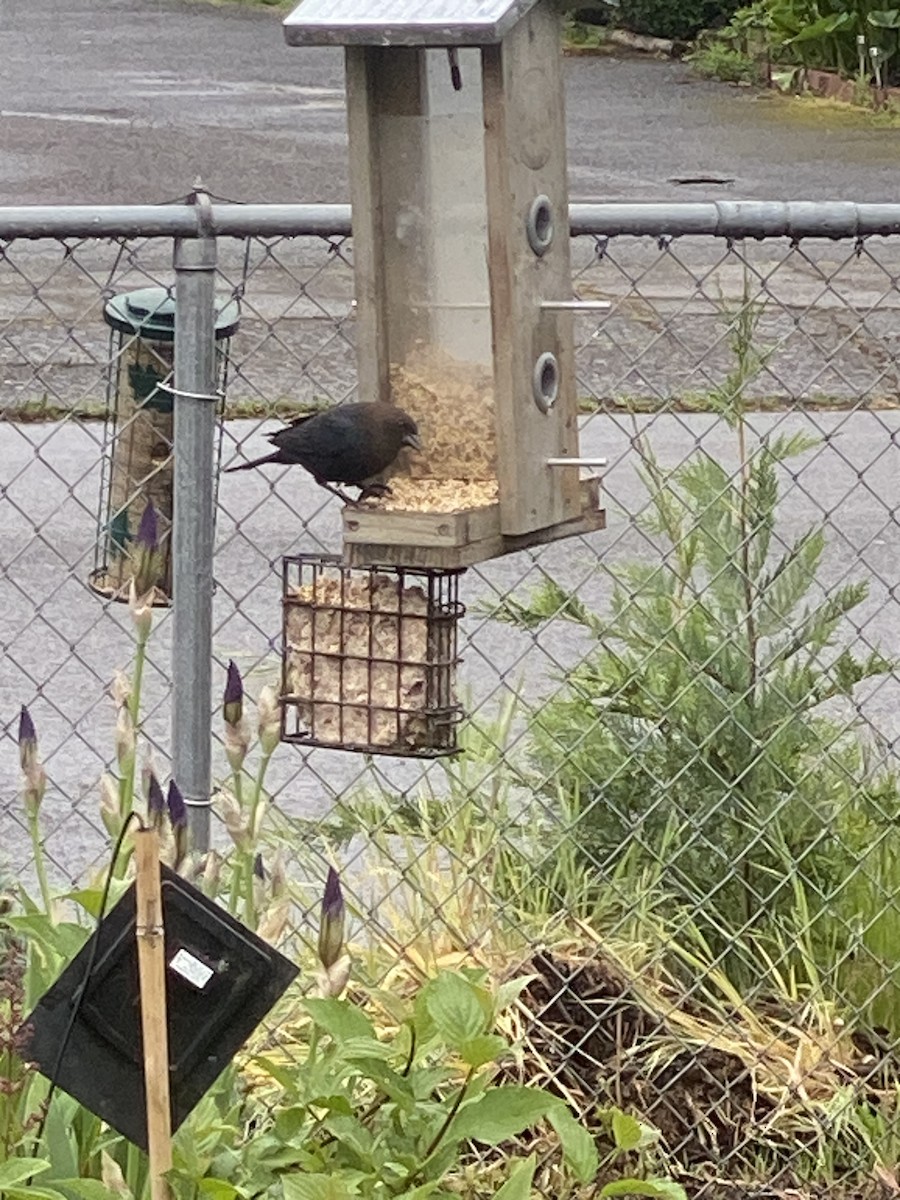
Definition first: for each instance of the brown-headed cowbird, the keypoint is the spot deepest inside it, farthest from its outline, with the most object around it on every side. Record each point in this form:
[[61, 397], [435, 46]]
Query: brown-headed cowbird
[[349, 444]]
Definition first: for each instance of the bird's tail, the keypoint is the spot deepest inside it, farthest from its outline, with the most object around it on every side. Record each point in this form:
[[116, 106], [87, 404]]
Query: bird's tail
[[275, 456]]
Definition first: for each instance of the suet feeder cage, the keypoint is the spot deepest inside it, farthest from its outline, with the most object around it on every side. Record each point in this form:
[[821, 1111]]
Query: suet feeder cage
[[463, 278], [370, 657], [138, 463], [221, 980]]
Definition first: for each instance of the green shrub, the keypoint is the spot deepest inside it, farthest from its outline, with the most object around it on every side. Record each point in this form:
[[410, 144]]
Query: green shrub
[[718, 61], [680, 20], [701, 733]]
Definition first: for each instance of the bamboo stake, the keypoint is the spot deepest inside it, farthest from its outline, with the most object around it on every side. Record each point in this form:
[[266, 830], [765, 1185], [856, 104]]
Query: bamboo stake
[[154, 1027]]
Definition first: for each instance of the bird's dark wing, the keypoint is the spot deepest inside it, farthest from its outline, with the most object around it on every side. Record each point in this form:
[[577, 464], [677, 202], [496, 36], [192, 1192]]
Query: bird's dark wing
[[297, 421], [347, 444]]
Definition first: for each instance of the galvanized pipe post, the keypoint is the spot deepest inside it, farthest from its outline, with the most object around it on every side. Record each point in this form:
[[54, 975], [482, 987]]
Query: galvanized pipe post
[[193, 520]]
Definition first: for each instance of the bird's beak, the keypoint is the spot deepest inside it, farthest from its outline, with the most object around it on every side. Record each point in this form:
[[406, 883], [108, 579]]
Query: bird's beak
[[413, 440]]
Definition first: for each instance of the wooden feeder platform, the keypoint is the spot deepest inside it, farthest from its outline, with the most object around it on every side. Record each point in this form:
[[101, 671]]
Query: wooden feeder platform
[[375, 535]]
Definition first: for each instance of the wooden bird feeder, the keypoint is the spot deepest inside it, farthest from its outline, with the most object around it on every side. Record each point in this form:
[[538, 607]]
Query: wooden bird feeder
[[463, 279]]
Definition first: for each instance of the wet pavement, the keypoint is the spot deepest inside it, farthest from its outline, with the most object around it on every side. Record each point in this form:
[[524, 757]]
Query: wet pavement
[[131, 100]]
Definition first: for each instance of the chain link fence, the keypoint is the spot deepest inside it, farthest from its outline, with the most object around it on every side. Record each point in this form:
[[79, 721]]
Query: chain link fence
[[676, 807]]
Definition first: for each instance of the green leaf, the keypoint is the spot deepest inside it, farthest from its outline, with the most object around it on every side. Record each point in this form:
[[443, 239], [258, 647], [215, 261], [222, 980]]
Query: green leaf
[[454, 1007], [90, 1189], [219, 1189], [518, 1186], [13, 1174], [318, 1187], [511, 990], [578, 1146], [644, 1187], [340, 1019], [631, 1134], [351, 1133], [32, 1193], [885, 18], [502, 1113], [365, 1049], [485, 1048], [17, 1170], [825, 25]]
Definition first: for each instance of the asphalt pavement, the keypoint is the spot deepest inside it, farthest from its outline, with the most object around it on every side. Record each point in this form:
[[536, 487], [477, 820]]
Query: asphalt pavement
[[130, 100]]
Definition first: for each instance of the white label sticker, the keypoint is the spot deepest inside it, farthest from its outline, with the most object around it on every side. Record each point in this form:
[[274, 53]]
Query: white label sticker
[[191, 969]]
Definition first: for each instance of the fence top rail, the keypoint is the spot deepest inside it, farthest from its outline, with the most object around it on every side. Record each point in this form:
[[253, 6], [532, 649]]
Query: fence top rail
[[730, 219]]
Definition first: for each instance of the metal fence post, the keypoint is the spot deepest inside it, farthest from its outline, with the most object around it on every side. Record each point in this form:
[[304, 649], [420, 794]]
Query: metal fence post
[[193, 521]]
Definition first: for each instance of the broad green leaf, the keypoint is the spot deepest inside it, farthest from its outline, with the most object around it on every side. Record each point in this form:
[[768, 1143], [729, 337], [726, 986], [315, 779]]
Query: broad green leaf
[[364, 1049], [17, 1170], [518, 1186], [318, 1187], [31, 1193], [502, 1113], [885, 18], [220, 1189], [89, 1189], [511, 990], [485, 1048], [626, 1130], [824, 26], [644, 1187], [351, 1133], [578, 1146], [59, 1137], [339, 1018], [454, 1007], [631, 1134]]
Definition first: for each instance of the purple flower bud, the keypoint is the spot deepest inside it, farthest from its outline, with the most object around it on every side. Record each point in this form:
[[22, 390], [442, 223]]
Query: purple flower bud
[[178, 817], [146, 556], [331, 922], [156, 801], [233, 700], [34, 775], [177, 809], [148, 530], [27, 739]]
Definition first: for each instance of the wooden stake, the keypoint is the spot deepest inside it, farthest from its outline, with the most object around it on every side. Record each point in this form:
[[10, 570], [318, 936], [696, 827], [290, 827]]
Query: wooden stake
[[152, 965]]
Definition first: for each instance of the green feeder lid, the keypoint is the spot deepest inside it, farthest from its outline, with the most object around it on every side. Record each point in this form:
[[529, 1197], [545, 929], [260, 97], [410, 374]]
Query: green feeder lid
[[150, 313]]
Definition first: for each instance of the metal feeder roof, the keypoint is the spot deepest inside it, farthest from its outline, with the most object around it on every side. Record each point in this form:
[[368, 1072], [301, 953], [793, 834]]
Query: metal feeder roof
[[402, 22], [150, 313]]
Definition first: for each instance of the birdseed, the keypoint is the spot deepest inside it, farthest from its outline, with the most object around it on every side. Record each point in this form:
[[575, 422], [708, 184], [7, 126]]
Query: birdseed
[[452, 403], [436, 495]]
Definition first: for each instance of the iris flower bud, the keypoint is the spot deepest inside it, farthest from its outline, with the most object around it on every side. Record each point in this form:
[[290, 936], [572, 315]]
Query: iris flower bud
[[147, 557], [156, 801], [331, 921], [233, 700], [178, 818], [269, 717], [237, 735], [33, 773]]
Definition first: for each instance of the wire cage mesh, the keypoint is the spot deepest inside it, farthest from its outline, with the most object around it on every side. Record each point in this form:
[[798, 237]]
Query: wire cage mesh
[[138, 463], [370, 657]]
